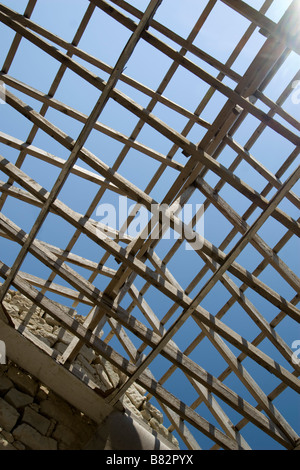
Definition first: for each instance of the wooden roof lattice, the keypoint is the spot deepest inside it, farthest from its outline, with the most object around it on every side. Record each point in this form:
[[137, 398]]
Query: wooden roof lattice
[[233, 149]]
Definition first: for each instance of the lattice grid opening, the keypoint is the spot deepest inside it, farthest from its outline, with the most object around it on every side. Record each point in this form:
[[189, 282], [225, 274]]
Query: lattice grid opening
[[178, 122]]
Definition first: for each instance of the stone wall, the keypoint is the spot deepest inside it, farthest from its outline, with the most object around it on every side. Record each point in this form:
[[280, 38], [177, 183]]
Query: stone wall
[[33, 417]]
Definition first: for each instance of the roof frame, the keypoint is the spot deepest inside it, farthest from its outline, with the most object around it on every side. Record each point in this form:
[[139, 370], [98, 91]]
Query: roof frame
[[134, 258]]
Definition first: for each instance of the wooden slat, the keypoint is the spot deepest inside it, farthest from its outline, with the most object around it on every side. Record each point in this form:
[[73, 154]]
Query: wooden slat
[[207, 397], [83, 136], [232, 95], [78, 282], [203, 377], [69, 111], [242, 226], [17, 39], [120, 362], [200, 155], [167, 50], [53, 88], [114, 249], [280, 39], [57, 161], [281, 32]]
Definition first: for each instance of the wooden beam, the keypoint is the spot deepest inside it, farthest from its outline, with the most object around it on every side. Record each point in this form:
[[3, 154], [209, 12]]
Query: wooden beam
[[189, 65], [74, 259], [120, 362], [55, 288], [261, 169], [81, 117], [256, 341], [28, 198], [57, 161], [53, 88], [17, 39], [174, 55], [140, 196], [207, 397], [78, 282], [135, 264], [242, 226], [80, 141], [251, 231], [171, 353], [283, 31], [137, 194], [185, 44], [219, 129]]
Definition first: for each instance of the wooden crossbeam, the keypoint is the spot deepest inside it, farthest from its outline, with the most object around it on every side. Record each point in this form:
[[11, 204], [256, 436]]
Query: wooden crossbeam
[[243, 95], [209, 162], [120, 362], [242, 226], [17, 39], [282, 32], [93, 79], [78, 35], [78, 282], [69, 111], [72, 326], [219, 344], [207, 397], [117, 252], [168, 51], [83, 136]]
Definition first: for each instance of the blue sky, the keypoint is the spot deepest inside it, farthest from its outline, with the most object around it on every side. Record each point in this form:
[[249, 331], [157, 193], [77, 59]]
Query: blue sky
[[105, 39]]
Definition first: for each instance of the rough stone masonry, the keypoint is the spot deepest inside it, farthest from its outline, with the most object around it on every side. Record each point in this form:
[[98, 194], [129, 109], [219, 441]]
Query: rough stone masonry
[[33, 417]]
